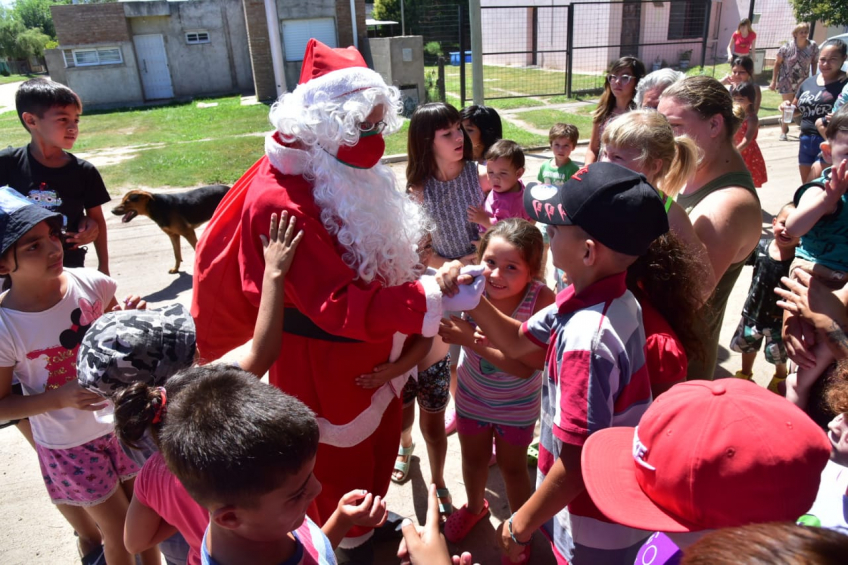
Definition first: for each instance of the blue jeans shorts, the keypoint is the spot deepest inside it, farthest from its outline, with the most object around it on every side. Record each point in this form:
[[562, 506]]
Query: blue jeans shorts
[[808, 151]]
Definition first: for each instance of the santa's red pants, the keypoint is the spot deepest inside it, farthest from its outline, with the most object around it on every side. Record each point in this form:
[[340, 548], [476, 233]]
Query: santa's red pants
[[322, 374]]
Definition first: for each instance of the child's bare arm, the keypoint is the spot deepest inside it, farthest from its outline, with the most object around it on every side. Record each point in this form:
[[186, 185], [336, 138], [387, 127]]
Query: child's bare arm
[[144, 528], [817, 202], [280, 247], [69, 395], [415, 349], [100, 242], [356, 508], [749, 134], [562, 484], [461, 332]]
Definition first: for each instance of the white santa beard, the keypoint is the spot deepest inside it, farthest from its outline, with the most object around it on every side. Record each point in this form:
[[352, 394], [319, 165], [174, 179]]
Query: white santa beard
[[378, 225]]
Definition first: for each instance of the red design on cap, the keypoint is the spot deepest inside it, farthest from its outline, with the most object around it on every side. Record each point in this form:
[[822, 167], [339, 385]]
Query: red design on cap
[[562, 213], [537, 207], [549, 210], [320, 60], [580, 172]]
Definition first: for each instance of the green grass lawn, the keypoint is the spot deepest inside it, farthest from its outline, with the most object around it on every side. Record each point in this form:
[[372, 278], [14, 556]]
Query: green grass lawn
[[522, 82], [544, 119], [16, 78]]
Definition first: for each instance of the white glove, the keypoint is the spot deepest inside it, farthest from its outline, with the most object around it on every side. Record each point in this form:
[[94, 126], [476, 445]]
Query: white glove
[[469, 295]]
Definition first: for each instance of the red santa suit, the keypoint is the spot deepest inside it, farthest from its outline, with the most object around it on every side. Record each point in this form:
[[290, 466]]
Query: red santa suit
[[337, 327]]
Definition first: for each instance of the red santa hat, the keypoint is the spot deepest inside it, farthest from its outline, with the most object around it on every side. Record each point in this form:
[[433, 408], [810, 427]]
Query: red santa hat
[[329, 73]]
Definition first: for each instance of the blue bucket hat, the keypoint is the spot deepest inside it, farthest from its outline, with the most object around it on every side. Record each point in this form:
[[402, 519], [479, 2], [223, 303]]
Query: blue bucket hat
[[19, 215]]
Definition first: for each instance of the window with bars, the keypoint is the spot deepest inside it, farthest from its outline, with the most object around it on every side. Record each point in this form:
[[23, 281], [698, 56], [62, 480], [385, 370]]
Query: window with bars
[[92, 57], [195, 37]]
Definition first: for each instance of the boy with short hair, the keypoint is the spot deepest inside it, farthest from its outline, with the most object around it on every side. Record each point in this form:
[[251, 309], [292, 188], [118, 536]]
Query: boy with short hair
[[762, 318], [504, 167], [563, 139], [49, 176], [599, 222], [245, 451]]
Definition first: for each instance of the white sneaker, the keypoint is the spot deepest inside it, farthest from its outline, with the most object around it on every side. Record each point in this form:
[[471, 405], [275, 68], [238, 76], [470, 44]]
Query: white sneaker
[[783, 137]]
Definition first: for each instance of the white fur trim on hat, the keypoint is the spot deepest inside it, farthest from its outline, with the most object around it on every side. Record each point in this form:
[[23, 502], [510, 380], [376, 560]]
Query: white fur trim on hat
[[287, 160], [338, 83]]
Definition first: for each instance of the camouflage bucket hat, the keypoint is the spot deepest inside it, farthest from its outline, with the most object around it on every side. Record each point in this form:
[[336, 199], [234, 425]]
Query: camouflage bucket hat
[[128, 346]]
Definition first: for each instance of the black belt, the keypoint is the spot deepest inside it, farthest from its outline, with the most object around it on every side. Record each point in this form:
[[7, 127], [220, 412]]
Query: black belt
[[296, 322]]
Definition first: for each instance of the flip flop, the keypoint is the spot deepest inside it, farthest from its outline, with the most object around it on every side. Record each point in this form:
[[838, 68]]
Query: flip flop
[[445, 509], [461, 522], [403, 466]]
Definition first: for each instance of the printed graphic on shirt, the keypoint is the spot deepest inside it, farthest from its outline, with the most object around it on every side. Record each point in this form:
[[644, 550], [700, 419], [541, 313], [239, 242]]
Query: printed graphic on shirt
[[48, 199], [60, 360]]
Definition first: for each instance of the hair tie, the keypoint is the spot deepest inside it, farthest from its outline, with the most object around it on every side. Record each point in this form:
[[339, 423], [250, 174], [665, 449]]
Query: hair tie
[[161, 410]]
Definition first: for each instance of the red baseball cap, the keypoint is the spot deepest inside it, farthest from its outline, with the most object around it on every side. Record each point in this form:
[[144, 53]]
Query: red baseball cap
[[707, 455]]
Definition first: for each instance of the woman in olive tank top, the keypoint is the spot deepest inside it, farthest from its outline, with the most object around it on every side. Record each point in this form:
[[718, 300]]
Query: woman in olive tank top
[[720, 198]]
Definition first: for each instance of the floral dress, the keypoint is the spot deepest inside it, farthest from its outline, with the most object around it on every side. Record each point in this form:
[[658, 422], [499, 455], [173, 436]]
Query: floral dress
[[753, 156], [796, 65]]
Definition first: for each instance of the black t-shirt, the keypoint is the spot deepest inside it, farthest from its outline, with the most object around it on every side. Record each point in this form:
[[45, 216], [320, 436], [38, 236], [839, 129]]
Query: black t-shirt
[[816, 102], [69, 190], [761, 307]]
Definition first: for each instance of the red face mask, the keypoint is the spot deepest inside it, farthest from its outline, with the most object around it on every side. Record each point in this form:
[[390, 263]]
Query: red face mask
[[365, 154]]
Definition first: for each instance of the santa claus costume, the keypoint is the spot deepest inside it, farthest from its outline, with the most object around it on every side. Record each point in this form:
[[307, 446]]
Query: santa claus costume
[[354, 284]]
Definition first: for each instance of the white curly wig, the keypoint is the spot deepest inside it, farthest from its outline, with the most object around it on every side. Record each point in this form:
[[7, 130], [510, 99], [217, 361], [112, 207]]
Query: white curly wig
[[378, 226]]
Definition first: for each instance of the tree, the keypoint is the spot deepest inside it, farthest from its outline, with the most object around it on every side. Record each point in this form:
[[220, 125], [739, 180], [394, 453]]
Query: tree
[[36, 14], [18, 42], [831, 12]]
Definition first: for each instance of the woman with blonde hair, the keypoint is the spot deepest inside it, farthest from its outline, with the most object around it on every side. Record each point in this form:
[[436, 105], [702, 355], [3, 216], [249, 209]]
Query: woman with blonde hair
[[643, 141]]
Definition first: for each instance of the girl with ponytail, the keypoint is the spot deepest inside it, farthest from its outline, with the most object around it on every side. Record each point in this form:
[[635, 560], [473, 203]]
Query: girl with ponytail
[[643, 141]]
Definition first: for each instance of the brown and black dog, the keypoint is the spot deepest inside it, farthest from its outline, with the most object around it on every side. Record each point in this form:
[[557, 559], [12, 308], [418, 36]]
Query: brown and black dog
[[176, 214]]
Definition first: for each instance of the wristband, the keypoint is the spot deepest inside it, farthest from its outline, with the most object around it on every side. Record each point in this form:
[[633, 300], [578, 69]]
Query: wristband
[[512, 535]]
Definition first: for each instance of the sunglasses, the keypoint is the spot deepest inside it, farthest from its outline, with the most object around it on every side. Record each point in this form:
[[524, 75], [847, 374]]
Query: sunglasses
[[623, 79], [375, 127]]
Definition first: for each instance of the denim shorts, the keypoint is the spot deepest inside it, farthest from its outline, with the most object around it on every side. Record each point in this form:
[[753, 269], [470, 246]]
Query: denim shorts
[[809, 150]]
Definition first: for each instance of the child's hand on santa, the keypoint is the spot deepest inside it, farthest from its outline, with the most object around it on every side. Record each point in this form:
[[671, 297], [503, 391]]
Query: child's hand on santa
[[361, 508], [461, 291], [382, 374], [457, 331], [280, 245]]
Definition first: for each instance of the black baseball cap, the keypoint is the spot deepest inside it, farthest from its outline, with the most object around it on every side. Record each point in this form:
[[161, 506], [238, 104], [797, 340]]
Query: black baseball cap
[[614, 205], [19, 215]]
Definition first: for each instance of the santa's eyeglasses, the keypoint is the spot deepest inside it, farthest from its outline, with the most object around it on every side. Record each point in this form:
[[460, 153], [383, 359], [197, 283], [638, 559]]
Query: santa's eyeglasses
[[372, 127]]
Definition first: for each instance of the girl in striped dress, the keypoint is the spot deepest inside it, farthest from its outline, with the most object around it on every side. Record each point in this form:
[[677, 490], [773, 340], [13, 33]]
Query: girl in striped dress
[[497, 397]]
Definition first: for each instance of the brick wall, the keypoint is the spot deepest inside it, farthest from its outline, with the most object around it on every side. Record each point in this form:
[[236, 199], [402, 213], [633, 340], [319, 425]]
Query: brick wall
[[343, 22], [78, 24], [260, 49]]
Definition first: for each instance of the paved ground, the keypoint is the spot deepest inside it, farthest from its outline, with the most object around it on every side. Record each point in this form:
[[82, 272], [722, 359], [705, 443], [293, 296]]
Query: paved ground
[[35, 533]]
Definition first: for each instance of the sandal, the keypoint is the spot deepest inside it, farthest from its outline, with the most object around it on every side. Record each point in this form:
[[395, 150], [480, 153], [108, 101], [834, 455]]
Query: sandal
[[445, 509], [403, 466], [461, 522], [93, 557], [533, 454]]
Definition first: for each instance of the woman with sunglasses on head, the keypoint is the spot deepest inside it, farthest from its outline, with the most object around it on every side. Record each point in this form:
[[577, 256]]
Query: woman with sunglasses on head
[[619, 92]]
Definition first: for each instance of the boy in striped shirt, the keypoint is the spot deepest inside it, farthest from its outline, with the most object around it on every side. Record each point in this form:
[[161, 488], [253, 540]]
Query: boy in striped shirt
[[599, 222]]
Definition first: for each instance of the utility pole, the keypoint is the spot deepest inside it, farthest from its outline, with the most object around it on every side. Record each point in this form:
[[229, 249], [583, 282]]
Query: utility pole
[[476, 51]]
